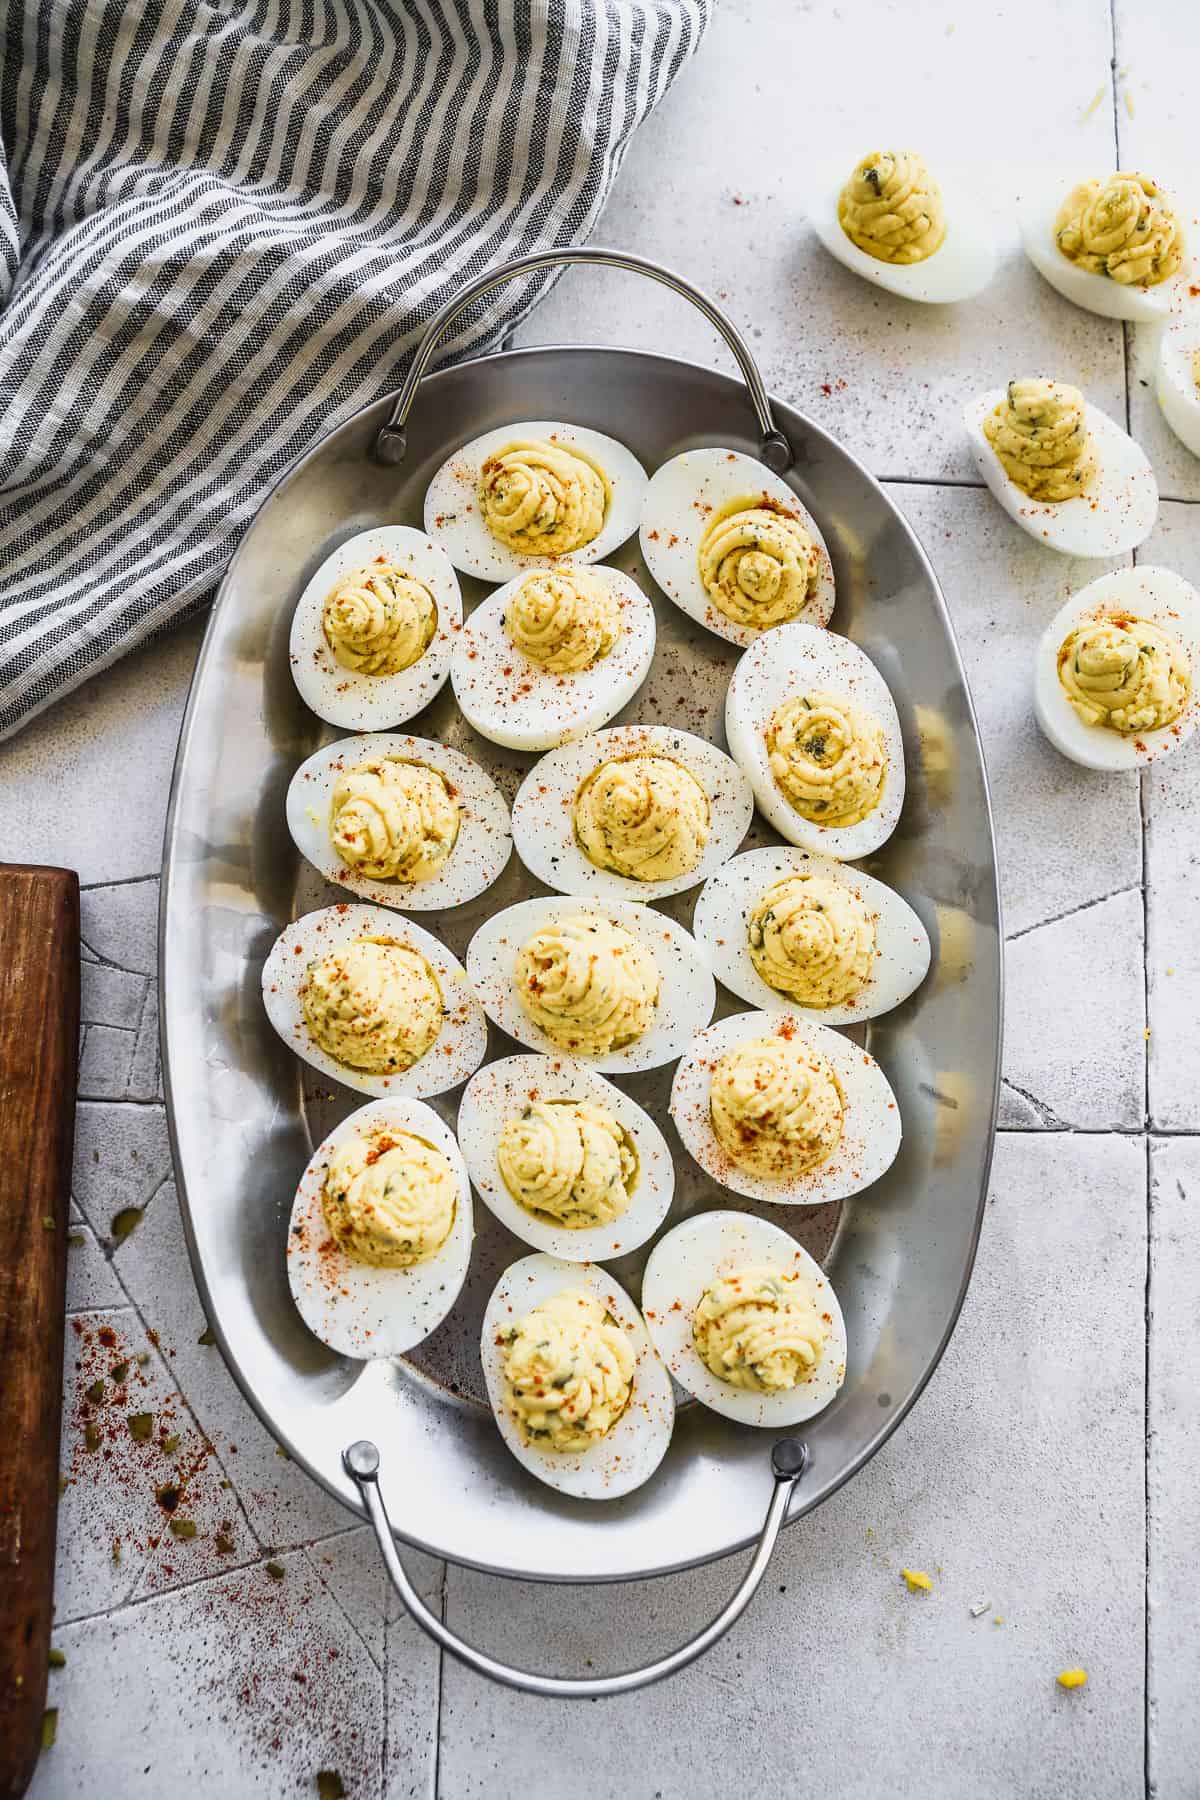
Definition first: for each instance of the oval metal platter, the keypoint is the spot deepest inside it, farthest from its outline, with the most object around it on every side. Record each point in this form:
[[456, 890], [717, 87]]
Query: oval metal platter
[[245, 1113]]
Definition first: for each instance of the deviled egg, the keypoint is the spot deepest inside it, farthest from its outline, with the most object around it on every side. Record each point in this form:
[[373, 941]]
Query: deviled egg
[[532, 495], [728, 541], [1115, 675], [777, 1107], [400, 820], [787, 930], [611, 982], [552, 655], [639, 811], [744, 1319], [1061, 468], [812, 724], [563, 1158], [893, 221], [1115, 247], [580, 1396], [1177, 378], [373, 1001], [373, 630], [381, 1228]]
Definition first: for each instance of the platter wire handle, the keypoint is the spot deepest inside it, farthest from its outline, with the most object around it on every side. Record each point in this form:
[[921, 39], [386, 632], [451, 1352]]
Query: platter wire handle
[[391, 441], [789, 1460]]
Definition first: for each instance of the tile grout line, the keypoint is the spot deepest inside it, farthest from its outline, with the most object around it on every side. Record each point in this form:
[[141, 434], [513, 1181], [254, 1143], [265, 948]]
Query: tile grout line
[[1147, 1133], [1146, 1496], [439, 1712], [1132, 887], [95, 887]]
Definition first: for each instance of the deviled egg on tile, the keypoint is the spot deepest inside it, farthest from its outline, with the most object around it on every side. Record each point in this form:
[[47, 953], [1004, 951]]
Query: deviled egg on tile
[[1061, 468], [635, 812], [744, 1319], [381, 1229], [563, 1158], [1115, 247], [552, 655], [812, 724], [400, 820], [916, 232], [788, 930], [611, 982], [728, 541], [532, 495], [373, 630], [579, 1393], [1115, 675], [777, 1107], [1177, 378], [373, 1001]]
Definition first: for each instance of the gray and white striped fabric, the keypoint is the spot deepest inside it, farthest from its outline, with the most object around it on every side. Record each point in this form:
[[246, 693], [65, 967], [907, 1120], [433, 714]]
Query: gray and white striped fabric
[[223, 226]]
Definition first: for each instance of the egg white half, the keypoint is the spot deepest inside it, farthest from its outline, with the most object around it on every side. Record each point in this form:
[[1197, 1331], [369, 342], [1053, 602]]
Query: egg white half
[[355, 1308], [498, 1093], [679, 505], [454, 519], [481, 849], [871, 1126], [455, 1053], [784, 662], [1118, 511], [1146, 592], [687, 995], [1095, 293], [721, 925], [703, 1250], [961, 266], [358, 702], [508, 698], [1175, 378], [629, 1454], [543, 811]]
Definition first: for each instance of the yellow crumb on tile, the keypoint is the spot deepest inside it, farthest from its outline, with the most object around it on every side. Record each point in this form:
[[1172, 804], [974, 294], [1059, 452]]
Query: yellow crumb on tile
[[999, 1619], [917, 1579], [1129, 103], [1073, 1678], [1146, 1033], [1092, 104]]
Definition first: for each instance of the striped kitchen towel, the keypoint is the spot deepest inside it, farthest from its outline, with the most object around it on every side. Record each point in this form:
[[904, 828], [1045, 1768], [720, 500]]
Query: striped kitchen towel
[[223, 226]]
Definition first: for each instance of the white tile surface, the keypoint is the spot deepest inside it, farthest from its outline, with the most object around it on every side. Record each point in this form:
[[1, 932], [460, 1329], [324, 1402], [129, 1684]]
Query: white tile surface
[[1020, 1477], [1066, 835], [885, 375], [1174, 1463], [107, 824], [1074, 1021], [243, 1685], [1172, 804], [839, 1674]]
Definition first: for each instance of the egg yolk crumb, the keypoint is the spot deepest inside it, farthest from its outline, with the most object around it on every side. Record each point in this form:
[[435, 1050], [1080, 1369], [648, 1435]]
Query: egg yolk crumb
[[1073, 1678], [917, 1581]]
